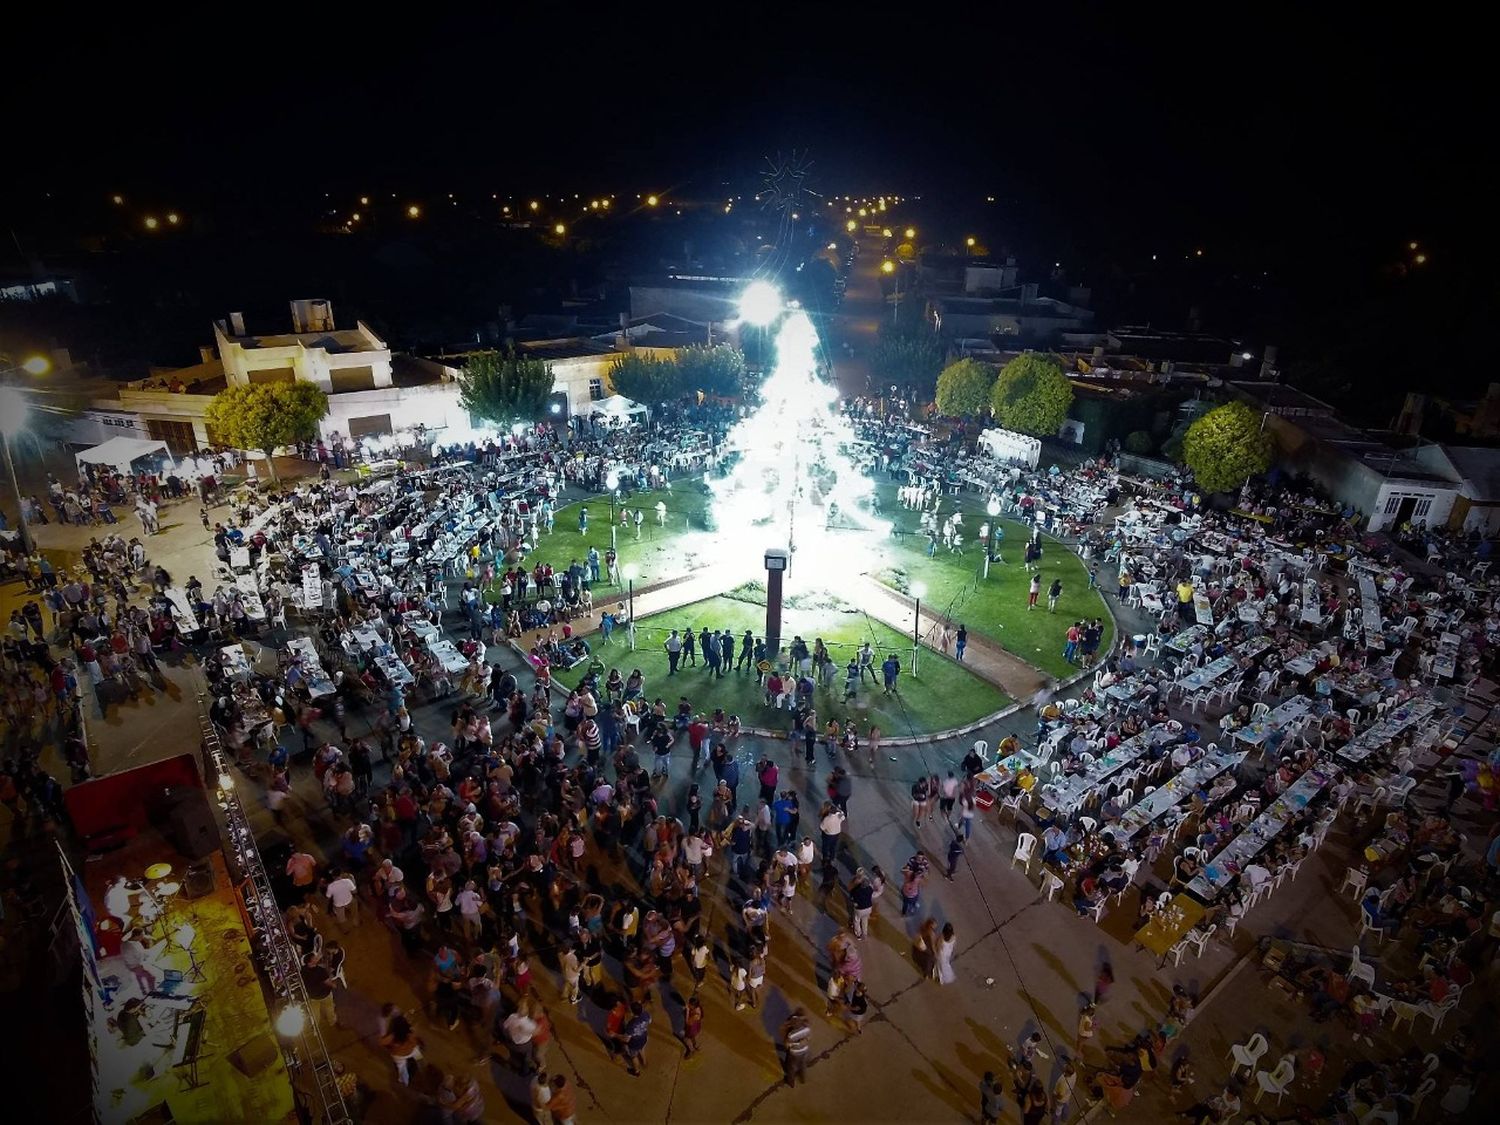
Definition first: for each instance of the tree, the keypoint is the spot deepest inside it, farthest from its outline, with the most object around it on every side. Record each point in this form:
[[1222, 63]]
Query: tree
[[1032, 395], [963, 388], [1226, 447], [1138, 441], [907, 361], [716, 370], [504, 388], [645, 379], [263, 416]]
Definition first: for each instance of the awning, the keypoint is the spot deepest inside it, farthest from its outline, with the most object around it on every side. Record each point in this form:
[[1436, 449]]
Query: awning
[[618, 406], [121, 453]]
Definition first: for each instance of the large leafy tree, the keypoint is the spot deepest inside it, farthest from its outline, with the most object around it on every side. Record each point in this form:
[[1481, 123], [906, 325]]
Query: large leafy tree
[[1032, 395], [907, 360], [646, 379], [264, 416], [1226, 447], [963, 388], [504, 388], [716, 370]]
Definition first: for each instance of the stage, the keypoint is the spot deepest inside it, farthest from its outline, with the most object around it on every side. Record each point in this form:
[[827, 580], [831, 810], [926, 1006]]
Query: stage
[[204, 991]]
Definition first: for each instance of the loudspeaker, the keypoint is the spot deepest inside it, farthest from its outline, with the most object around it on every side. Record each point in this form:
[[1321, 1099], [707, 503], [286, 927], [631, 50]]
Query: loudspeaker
[[186, 821], [198, 881], [254, 1055]]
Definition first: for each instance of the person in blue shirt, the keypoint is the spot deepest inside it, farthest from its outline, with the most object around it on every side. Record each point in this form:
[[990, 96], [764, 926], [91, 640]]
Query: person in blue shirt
[[890, 670]]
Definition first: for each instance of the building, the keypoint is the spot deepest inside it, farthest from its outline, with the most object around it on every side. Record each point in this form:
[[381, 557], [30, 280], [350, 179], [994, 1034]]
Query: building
[[336, 360], [1028, 317], [371, 392], [1384, 477]]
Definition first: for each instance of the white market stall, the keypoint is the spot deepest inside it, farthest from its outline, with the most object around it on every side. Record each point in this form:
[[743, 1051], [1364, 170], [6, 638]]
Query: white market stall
[[617, 410], [1007, 445], [122, 453]]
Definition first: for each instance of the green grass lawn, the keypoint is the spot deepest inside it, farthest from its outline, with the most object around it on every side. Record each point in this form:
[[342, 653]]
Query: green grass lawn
[[996, 606], [993, 607], [658, 553], [945, 695]]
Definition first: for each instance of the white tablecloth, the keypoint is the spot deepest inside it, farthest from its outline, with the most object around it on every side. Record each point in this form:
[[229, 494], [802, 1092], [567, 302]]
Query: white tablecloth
[[1237, 854]]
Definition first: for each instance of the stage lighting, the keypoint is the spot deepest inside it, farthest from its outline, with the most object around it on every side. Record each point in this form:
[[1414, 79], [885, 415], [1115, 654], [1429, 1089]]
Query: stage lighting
[[290, 1021]]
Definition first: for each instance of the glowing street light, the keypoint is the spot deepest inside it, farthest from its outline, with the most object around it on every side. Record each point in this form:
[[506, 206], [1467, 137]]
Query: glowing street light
[[151, 223], [172, 217], [993, 510], [851, 226], [121, 199], [888, 266], [13, 412], [651, 201], [413, 211], [364, 201], [917, 590], [760, 303], [559, 230], [911, 232], [969, 242], [886, 233], [36, 365], [1420, 259]]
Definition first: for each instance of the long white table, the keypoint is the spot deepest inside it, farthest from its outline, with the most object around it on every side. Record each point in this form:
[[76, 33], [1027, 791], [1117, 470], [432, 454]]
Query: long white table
[[182, 610], [1067, 793], [1202, 611], [1174, 791], [1278, 718], [236, 663], [1445, 663], [1183, 641], [1312, 603], [318, 681], [255, 609], [1383, 733], [1369, 599], [394, 669], [1233, 858], [451, 659]]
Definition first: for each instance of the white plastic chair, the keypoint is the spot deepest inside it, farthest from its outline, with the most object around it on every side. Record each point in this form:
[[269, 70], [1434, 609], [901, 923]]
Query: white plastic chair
[[1354, 879], [1013, 804], [1401, 1011], [1277, 1081], [1427, 1087], [1438, 1012], [1259, 711], [1360, 969], [1088, 824], [1025, 846], [1248, 1054], [1200, 938], [1051, 884]]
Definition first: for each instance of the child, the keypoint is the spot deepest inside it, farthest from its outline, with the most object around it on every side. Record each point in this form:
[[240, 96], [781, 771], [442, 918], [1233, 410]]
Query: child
[[692, 1025], [837, 985], [737, 979], [755, 977]]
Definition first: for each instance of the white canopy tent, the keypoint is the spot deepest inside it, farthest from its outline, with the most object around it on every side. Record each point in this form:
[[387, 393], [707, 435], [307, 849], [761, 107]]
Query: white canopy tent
[[617, 409], [121, 453]]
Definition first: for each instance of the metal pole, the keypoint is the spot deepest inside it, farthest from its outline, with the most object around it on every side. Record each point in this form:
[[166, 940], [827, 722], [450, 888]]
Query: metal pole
[[15, 490], [630, 611], [916, 640], [989, 544]]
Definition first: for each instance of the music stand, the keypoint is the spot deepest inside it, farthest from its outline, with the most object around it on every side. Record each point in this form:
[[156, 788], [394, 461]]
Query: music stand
[[184, 936]]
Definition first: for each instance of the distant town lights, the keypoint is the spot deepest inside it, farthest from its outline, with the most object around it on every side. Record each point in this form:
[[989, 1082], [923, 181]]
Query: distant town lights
[[1420, 259], [559, 229], [535, 206], [413, 212], [651, 201], [851, 226], [364, 201], [911, 232], [151, 223], [887, 267], [121, 199], [172, 217]]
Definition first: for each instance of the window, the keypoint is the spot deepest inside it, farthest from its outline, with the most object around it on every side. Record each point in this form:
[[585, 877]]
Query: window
[[596, 389], [1424, 506]]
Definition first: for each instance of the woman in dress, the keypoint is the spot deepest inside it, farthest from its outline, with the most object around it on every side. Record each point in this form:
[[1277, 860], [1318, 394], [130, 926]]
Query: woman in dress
[[945, 948], [924, 948]]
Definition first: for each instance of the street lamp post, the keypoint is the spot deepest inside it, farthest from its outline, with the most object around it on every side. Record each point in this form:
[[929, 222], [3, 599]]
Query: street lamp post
[[629, 573], [12, 421], [993, 509], [612, 482], [917, 590]]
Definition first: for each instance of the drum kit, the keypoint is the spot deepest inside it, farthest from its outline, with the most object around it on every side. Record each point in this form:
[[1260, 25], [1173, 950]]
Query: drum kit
[[157, 890]]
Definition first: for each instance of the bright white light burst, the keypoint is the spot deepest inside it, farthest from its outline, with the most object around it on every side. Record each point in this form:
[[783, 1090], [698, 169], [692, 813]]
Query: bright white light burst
[[760, 303], [798, 475]]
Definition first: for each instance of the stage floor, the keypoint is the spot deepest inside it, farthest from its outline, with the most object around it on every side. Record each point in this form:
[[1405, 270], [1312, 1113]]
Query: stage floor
[[242, 1076]]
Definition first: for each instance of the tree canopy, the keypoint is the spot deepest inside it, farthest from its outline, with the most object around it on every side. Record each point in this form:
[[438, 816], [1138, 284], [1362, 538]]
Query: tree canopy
[[1032, 395], [963, 388], [715, 370], [907, 360], [504, 389], [646, 379], [263, 416], [1226, 447]]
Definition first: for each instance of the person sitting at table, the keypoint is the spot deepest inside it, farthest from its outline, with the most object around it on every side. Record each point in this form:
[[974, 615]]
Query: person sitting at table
[[1112, 809], [1069, 764], [1087, 896], [1185, 869], [1183, 755], [1025, 780], [1055, 845], [1256, 875]]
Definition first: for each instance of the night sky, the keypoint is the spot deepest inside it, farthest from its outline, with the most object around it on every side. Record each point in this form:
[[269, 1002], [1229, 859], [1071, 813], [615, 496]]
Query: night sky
[[1302, 156], [1106, 130]]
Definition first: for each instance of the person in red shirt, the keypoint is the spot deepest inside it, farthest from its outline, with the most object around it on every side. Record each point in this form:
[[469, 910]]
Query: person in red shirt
[[697, 732]]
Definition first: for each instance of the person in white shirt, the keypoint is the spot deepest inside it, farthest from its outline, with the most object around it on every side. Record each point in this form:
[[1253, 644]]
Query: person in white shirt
[[343, 896], [469, 902], [832, 826]]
